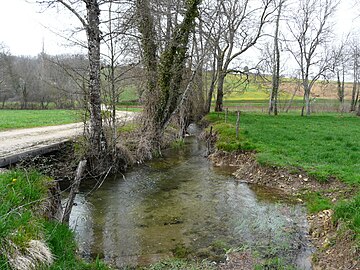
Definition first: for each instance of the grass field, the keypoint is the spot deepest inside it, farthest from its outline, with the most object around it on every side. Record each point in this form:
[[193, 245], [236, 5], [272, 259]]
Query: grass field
[[129, 94], [11, 119], [324, 145]]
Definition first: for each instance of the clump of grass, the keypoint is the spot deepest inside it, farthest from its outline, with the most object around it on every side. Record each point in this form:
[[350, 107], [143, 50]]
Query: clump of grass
[[227, 140], [315, 202], [25, 236], [178, 144], [128, 128], [274, 263], [61, 241], [349, 210], [20, 194]]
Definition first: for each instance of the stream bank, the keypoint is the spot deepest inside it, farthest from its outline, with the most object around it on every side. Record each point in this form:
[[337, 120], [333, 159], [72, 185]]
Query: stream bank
[[335, 246], [181, 206]]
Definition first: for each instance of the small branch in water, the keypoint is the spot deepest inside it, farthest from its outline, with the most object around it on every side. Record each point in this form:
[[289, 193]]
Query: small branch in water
[[74, 190]]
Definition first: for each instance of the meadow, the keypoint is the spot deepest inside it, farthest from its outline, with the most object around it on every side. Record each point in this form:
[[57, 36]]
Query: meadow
[[12, 119], [324, 144]]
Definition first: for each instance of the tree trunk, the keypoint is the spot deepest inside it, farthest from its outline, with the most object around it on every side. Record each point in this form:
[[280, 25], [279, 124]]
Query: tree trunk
[[95, 126], [342, 94], [25, 97], [209, 97], [220, 92], [353, 95], [307, 102], [273, 106], [3, 101], [291, 101], [338, 85], [355, 83], [212, 87]]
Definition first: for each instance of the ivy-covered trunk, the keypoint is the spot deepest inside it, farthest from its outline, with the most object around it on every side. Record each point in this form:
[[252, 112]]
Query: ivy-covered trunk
[[164, 77], [220, 92]]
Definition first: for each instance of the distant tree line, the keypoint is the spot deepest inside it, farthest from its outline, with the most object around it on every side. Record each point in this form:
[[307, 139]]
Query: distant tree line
[[53, 82]]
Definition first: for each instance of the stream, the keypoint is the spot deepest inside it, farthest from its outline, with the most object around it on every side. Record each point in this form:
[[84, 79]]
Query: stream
[[181, 204]]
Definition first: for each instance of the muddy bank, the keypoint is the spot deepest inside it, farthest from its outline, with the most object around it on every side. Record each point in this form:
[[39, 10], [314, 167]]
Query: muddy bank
[[335, 248]]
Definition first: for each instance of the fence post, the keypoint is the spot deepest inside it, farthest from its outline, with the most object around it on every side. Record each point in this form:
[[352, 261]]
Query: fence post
[[237, 124]]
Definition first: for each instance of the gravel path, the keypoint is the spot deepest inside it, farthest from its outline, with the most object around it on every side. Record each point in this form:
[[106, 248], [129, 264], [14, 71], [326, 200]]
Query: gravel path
[[17, 141]]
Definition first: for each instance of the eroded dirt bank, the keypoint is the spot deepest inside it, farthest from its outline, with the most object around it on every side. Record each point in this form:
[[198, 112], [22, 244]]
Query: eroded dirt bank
[[333, 242]]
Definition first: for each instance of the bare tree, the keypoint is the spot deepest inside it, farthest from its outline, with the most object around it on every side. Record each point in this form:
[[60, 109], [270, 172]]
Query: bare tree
[[311, 29], [273, 102], [90, 21], [5, 80], [239, 25], [341, 60], [354, 56]]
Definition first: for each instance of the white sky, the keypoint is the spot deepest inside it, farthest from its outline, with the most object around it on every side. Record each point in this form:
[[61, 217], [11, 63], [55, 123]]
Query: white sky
[[23, 27]]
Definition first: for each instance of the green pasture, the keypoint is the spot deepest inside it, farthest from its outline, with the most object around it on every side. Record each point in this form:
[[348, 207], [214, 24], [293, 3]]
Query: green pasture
[[129, 94], [324, 145], [11, 119]]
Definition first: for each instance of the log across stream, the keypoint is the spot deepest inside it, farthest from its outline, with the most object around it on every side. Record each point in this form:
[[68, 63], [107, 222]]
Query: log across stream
[[181, 202]]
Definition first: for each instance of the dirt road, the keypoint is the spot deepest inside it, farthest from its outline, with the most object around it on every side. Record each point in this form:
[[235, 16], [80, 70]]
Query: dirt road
[[17, 142]]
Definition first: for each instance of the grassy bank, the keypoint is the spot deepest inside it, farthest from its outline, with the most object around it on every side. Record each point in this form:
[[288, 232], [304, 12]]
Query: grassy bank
[[325, 146], [22, 195], [11, 119]]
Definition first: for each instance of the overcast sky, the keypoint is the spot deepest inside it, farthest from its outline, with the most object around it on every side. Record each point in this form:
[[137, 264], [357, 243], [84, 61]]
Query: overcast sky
[[23, 28]]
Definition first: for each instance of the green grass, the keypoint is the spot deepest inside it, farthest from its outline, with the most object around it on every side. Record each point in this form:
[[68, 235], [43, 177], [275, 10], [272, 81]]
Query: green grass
[[17, 223], [61, 242], [128, 128], [349, 210], [324, 145], [11, 119], [129, 94], [21, 197], [315, 202]]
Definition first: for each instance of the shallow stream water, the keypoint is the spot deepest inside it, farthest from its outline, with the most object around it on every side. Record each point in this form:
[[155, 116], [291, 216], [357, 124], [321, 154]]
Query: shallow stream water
[[182, 203]]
